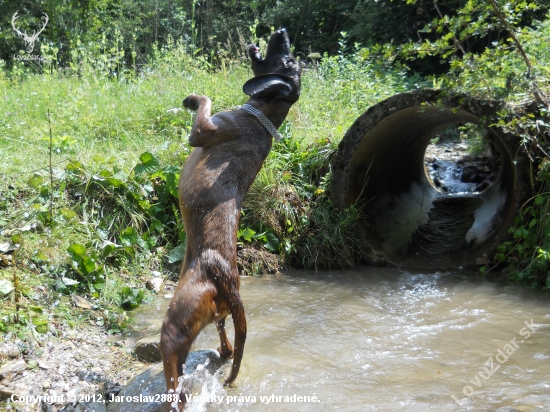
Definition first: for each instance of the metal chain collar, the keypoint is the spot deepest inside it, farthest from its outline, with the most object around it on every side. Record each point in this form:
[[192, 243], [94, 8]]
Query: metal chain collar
[[263, 120]]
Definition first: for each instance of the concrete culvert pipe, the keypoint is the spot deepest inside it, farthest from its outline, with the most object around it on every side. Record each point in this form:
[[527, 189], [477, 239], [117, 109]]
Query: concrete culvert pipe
[[380, 168]]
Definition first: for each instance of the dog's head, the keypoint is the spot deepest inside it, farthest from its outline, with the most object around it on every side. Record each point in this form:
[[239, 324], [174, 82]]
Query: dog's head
[[277, 77]]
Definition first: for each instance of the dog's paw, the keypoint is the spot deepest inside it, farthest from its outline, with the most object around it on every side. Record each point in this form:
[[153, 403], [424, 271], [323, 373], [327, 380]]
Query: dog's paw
[[254, 52], [228, 384], [191, 102]]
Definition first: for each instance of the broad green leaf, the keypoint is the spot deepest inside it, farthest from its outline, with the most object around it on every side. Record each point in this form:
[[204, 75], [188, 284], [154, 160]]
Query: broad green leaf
[[77, 251], [149, 164], [129, 236], [177, 254], [68, 213], [35, 181], [272, 244], [132, 297], [246, 234], [87, 265], [99, 283]]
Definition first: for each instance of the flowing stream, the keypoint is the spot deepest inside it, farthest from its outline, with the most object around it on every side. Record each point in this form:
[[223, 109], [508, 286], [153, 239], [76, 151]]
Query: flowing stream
[[448, 175], [383, 339]]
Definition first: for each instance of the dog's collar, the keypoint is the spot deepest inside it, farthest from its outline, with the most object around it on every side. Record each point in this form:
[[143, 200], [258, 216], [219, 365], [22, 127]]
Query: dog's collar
[[263, 120]]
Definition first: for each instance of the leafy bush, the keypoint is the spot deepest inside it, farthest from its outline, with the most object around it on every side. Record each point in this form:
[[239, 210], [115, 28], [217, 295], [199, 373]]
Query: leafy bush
[[527, 256]]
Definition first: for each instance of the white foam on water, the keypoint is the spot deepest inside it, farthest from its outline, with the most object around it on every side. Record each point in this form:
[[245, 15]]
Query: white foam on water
[[204, 389]]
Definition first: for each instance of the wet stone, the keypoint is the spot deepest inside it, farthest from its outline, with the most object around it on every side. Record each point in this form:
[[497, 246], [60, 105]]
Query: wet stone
[[154, 284], [147, 349], [90, 407]]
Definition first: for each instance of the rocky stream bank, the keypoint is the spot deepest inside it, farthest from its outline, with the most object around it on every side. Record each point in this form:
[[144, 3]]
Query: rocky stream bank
[[52, 373]]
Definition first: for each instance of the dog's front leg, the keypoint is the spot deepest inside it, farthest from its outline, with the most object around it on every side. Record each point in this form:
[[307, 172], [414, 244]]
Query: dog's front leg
[[203, 128]]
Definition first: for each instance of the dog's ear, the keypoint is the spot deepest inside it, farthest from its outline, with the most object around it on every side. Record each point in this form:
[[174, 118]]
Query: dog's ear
[[269, 87]]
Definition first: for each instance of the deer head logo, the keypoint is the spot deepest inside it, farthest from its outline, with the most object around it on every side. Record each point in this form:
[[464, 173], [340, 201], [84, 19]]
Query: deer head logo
[[29, 40]]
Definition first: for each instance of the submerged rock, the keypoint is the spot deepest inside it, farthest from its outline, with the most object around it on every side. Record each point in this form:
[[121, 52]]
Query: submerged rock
[[148, 350], [151, 383], [154, 284]]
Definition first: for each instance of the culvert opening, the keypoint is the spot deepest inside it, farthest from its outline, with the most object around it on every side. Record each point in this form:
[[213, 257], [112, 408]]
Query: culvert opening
[[462, 159], [380, 167]]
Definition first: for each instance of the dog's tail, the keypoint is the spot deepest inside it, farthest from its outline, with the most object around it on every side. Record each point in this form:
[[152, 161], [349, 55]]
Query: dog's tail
[[239, 322]]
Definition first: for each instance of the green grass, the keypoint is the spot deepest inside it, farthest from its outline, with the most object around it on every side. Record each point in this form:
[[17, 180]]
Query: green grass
[[99, 116], [94, 113]]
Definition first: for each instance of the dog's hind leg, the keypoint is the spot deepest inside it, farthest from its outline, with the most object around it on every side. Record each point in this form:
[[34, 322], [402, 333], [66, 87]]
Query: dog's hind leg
[[186, 316], [175, 348], [239, 321], [225, 348]]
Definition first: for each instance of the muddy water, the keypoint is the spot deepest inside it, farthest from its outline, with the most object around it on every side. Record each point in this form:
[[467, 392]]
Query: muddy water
[[385, 340]]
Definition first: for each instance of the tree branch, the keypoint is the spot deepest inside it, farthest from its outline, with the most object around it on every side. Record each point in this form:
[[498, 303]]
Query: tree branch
[[457, 42], [540, 96]]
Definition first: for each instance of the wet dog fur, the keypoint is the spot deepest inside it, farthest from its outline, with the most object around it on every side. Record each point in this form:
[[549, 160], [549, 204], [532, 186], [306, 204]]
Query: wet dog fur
[[230, 148]]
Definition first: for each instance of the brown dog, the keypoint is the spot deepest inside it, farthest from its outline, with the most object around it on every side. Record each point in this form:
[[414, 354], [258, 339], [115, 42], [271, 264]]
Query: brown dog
[[231, 147]]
